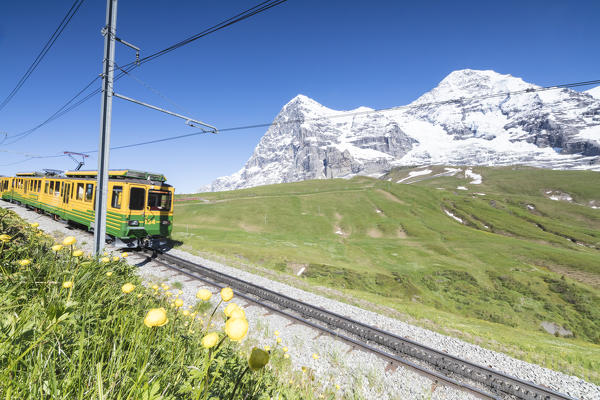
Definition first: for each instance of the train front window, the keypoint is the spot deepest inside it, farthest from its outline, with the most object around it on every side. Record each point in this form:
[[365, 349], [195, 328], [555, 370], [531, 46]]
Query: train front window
[[136, 198], [159, 201]]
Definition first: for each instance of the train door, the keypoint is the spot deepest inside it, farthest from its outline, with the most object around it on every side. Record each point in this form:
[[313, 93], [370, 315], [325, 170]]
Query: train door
[[66, 194], [137, 211]]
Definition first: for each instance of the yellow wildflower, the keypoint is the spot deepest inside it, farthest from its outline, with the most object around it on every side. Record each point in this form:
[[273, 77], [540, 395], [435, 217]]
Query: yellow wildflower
[[178, 303], [238, 313], [236, 328], [315, 356], [139, 296], [258, 359], [67, 284], [203, 294], [276, 333], [186, 313], [168, 293], [267, 348], [4, 238], [124, 254], [115, 258], [105, 259], [69, 240], [286, 355], [127, 288], [35, 225], [156, 317], [230, 307], [285, 349], [155, 287], [165, 286], [226, 294], [210, 340], [279, 340], [56, 248], [180, 292], [25, 262], [337, 387], [109, 273], [77, 253]]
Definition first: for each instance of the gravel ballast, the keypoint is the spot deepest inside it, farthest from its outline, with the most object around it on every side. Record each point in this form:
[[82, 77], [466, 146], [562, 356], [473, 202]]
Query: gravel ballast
[[337, 363]]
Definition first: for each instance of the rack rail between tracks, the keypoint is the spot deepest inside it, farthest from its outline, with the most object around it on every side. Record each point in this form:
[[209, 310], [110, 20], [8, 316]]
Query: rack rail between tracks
[[496, 380]]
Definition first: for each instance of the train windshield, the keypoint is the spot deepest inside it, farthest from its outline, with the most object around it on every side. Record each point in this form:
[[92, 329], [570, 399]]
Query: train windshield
[[159, 200]]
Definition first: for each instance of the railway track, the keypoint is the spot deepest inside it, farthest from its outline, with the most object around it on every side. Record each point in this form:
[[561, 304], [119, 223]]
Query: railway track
[[477, 379]]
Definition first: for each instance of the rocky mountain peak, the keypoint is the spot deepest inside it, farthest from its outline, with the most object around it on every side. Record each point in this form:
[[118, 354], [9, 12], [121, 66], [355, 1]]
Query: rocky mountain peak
[[467, 82], [551, 129]]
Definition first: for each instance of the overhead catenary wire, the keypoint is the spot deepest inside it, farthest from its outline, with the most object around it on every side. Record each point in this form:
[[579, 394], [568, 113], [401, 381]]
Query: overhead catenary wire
[[53, 38], [346, 114], [260, 7], [356, 113]]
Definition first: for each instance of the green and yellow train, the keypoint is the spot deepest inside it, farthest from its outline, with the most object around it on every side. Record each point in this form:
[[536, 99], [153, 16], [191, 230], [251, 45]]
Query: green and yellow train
[[139, 209]]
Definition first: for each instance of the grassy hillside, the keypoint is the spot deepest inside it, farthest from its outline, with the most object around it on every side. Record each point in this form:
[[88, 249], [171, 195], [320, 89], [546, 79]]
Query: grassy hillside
[[516, 260]]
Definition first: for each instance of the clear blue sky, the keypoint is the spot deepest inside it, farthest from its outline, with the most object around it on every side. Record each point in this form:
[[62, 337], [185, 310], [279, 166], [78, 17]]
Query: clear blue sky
[[341, 53]]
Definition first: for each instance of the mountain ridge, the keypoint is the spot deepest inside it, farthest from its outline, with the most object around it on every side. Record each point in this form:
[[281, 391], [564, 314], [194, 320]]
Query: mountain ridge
[[470, 117]]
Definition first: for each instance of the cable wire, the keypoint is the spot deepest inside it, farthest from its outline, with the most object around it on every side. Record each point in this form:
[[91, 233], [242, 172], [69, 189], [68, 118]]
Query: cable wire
[[53, 38], [344, 114], [265, 5], [347, 114]]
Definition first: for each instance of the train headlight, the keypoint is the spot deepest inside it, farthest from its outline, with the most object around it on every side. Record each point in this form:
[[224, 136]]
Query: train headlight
[[134, 223]]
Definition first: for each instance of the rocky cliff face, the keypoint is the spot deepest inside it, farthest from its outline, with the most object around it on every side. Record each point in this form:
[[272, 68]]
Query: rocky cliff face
[[469, 118]]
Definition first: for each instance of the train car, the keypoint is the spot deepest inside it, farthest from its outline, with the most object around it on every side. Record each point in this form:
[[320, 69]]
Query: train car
[[5, 187], [139, 209]]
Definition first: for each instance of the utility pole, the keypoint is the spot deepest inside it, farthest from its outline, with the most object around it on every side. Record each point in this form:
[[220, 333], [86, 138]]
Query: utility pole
[[109, 31]]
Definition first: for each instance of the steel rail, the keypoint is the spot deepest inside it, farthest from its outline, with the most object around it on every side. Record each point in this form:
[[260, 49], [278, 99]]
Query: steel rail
[[498, 381], [278, 309]]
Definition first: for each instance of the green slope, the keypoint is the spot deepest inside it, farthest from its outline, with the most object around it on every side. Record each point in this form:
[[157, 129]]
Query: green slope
[[517, 259]]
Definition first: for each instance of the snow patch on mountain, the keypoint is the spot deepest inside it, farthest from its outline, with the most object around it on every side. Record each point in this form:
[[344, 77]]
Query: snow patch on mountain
[[470, 118], [594, 92]]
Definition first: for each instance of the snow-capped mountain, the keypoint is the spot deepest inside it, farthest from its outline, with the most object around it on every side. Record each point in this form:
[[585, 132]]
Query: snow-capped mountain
[[594, 92], [472, 117]]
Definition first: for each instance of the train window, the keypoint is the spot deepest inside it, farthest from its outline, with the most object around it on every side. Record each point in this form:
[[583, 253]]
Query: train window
[[51, 187], [117, 194], [89, 192], [57, 188], [158, 200], [136, 198], [46, 188], [80, 191]]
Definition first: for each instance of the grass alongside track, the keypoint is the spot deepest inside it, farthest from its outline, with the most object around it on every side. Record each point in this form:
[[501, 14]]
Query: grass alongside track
[[517, 260], [90, 341]]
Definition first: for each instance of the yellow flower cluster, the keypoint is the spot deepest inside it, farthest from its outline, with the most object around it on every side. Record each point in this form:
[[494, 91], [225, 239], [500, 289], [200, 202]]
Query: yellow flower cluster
[[4, 238], [204, 294], [127, 288], [156, 317], [69, 241]]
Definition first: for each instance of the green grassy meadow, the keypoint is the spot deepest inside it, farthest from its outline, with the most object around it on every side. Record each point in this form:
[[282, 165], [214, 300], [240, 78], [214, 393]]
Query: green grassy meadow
[[76, 327], [517, 259]]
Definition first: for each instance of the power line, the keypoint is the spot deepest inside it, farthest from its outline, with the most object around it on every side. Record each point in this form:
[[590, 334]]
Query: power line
[[261, 7], [53, 38], [347, 114], [58, 113], [343, 114], [265, 5]]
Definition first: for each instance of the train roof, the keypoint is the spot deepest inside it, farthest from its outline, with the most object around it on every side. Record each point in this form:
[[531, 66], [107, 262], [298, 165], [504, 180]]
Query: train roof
[[120, 174]]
